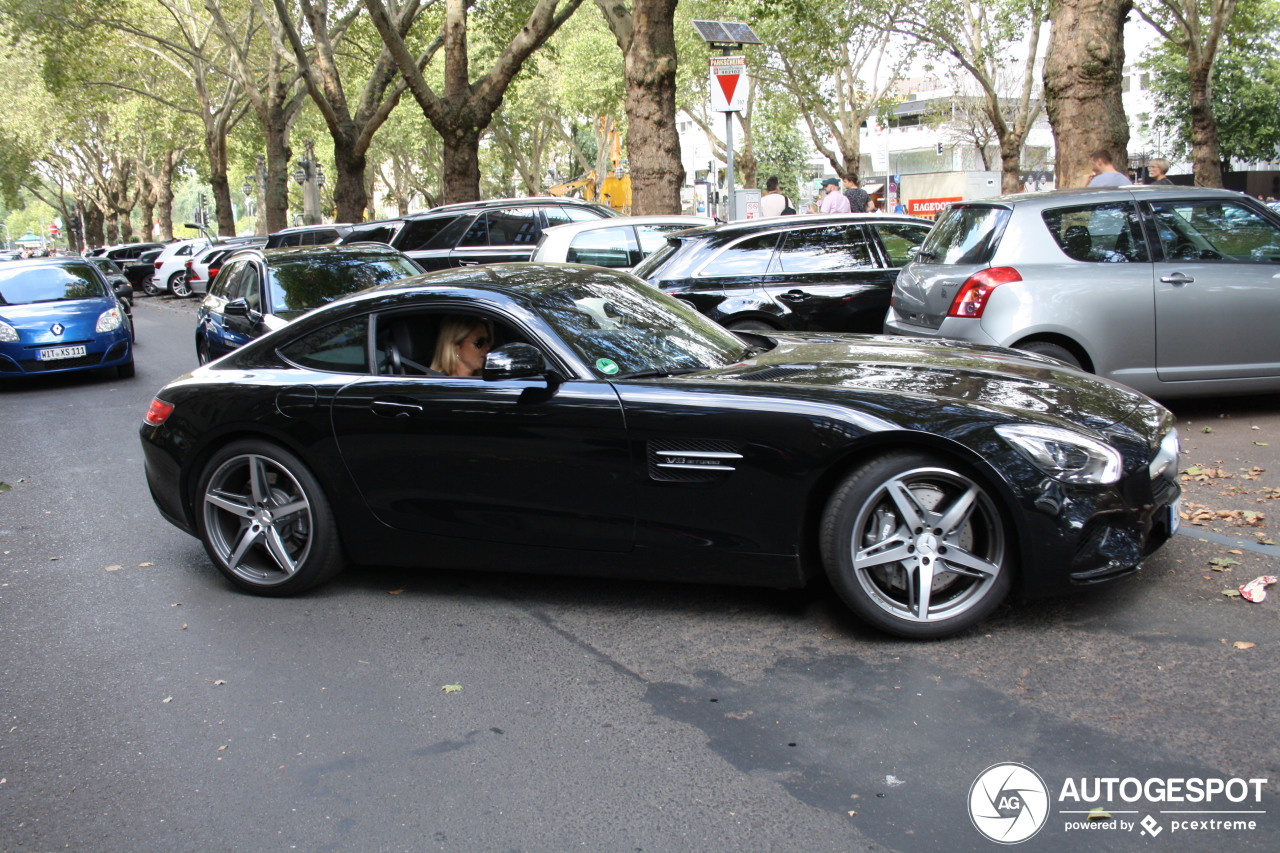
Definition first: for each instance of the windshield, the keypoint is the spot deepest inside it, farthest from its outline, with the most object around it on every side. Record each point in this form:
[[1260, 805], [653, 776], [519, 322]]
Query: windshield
[[301, 284], [622, 327], [21, 285]]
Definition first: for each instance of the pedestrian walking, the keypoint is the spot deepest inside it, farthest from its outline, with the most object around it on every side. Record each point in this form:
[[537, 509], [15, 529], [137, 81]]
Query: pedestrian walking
[[1159, 169], [1105, 173], [859, 201], [832, 200]]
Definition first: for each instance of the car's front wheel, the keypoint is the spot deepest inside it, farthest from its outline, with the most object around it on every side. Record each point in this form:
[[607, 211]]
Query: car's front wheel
[[265, 520], [917, 545], [149, 286]]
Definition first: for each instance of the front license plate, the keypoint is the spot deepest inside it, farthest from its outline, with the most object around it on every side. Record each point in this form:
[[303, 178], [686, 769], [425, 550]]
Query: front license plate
[[1173, 518], [55, 353]]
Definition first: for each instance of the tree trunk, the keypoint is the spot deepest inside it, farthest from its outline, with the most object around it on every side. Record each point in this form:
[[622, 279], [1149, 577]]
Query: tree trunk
[[653, 143], [93, 226], [1010, 165], [276, 195], [164, 197], [460, 176], [146, 210], [1206, 156], [215, 143], [1082, 74], [349, 195]]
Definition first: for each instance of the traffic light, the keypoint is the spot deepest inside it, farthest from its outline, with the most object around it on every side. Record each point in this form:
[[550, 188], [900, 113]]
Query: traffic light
[[939, 149]]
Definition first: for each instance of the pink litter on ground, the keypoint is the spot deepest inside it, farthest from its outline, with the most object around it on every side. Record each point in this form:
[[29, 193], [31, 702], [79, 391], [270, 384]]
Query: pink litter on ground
[[1256, 589]]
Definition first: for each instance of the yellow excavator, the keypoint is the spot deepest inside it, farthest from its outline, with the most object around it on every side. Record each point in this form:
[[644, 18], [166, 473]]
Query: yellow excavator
[[615, 190]]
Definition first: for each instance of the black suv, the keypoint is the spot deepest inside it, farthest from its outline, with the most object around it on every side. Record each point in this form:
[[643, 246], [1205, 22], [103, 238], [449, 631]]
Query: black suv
[[826, 273], [307, 235], [477, 232]]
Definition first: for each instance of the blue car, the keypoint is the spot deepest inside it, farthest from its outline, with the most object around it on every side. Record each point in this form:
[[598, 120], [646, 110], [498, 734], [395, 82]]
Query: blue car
[[260, 290], [59, 315]]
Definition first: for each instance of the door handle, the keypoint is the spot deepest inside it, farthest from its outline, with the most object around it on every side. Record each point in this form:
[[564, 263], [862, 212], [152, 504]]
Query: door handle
[[1177, 279], [395, 408], [793, 296]]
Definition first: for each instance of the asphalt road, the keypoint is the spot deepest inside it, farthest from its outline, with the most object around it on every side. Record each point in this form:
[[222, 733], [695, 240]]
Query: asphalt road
[[145, 705]]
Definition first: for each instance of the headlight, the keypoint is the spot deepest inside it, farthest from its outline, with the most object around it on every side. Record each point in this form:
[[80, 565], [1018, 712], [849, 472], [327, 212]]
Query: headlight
[[1064, 455], [8, 334], [109, 320], [1167, 455]]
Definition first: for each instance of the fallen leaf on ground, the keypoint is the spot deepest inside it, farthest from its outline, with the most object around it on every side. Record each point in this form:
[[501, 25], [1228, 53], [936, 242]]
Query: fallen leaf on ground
[[394, 591], [113, 568], [452, 688], [145, 565], [1241, 644]]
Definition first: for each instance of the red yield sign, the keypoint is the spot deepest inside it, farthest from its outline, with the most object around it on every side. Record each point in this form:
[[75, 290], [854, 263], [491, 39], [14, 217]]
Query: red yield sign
[[729, 83]]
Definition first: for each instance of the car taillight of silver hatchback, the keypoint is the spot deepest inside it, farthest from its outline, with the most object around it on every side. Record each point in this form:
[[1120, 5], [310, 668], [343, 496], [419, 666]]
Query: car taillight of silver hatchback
[[971, 299]]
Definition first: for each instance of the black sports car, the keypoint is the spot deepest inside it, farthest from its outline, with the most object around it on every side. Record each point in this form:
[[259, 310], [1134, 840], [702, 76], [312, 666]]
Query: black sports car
[[615, 431]]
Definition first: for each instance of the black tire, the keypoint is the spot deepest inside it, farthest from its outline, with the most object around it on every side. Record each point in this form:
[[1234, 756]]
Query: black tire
[[179, 286], [1061, 353], [749, 326], [264, 520], [126, 371], [149, 286], [202, 350], [907, 515]]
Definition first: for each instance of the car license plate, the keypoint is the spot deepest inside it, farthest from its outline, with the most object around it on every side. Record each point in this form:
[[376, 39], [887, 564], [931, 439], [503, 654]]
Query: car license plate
[[55, 353], [1173, 518]]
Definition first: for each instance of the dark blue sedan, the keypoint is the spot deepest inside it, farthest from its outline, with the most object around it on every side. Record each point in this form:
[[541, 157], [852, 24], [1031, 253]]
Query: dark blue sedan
[[59, 315], [260, 290]]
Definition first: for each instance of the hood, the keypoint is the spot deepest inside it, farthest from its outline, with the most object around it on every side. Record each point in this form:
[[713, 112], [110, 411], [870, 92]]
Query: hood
[[943, 370], [34, 321]]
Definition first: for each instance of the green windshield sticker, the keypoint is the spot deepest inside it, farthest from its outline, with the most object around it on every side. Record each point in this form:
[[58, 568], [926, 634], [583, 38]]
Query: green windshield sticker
[[607, 366]]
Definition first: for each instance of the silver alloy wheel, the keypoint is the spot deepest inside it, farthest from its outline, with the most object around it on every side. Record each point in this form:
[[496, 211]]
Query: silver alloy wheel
[[928, 545], [149, 286], [258, 520], [178, 285]]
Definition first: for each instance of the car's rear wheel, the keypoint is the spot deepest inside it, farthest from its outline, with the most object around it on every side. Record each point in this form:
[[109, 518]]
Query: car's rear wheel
[[1052, 350], [265, 520], [202, 350], [179, 286], [917, 546]]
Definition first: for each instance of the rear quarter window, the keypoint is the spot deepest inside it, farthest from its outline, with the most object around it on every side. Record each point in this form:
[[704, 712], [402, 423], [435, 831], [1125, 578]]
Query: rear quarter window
[[1098, 233]]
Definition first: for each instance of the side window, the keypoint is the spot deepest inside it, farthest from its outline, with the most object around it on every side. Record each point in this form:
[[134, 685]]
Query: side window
[[654, 237], [605, 247], [228, 283], [477, 235], [517, 226], [747, 257], [421, 234], [1214, 230], [251, 287], [559, 214], [338, 348], [899, 238], [1098, 233], [817, 250]]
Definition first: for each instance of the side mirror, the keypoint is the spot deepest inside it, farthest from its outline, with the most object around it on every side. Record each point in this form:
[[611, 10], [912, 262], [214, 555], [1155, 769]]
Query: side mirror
[[514, 361], [236, 308], [124, 291]]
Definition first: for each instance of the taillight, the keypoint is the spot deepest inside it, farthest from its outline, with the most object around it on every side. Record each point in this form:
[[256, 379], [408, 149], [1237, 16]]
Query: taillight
[[972, 298], [159, 412], [159, 264]]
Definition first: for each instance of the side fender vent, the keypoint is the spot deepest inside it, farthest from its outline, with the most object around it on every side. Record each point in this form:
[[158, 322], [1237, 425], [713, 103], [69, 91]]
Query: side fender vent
[[781, 371], [692, 460]]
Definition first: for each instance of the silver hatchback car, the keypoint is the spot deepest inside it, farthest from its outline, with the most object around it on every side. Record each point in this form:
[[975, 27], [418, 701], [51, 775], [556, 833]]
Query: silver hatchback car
[[1174, 291]]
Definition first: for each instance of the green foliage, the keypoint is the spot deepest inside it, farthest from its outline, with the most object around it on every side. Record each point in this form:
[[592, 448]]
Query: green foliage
[[780, 148], [1245, 89]]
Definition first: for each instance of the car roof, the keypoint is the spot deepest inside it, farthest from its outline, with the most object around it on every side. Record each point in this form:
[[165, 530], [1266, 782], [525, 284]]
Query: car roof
[[488, 204], [1148, 192], [286, 253], [615, 221], [808, 220]]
